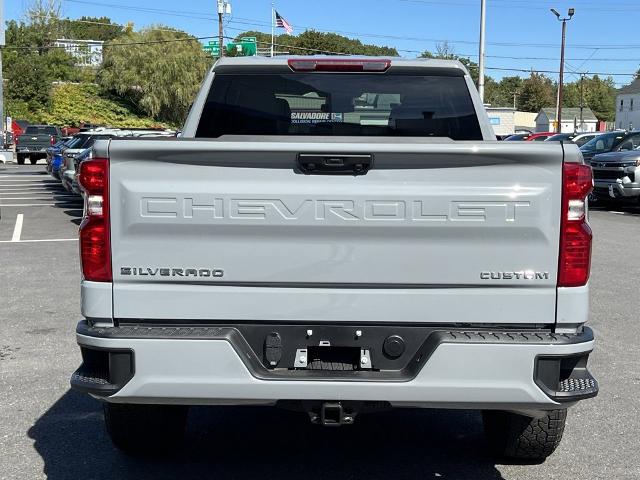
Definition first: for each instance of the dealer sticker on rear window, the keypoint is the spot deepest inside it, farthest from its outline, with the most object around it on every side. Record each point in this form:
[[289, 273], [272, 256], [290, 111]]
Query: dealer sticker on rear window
[[316, 117]]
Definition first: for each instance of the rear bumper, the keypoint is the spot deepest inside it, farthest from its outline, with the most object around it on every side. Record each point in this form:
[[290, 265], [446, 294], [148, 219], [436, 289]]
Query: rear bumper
[[214, 365]]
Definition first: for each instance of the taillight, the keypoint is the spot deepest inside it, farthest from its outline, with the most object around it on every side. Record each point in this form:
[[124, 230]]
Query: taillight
[[575, 233], [53, 140], [95, 235], [338, 65]]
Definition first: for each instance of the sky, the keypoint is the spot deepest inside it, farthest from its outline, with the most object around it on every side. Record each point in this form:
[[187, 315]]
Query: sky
[[520, 34]]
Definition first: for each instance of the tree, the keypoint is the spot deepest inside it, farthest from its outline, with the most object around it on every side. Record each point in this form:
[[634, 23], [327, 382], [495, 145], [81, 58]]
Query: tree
[[502, 94], [445, 51], [597, 94], [91, 28], [537, 92], [312, 42], [160, 72], [28, 81]]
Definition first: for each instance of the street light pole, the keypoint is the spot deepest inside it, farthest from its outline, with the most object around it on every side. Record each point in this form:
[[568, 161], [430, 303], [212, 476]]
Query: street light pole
[[483, 12], [564, 21]]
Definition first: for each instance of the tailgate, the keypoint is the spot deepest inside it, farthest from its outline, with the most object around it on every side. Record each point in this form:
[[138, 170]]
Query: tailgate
[[463, 232]]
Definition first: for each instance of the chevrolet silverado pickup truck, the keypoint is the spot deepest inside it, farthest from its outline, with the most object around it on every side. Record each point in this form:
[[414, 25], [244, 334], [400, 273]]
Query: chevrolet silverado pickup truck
[[617, 176], [336, 236]]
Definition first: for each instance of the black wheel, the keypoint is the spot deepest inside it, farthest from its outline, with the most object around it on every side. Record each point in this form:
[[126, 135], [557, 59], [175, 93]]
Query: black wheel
[[524, 438], [33, 160], [145, 429], [20, 158]]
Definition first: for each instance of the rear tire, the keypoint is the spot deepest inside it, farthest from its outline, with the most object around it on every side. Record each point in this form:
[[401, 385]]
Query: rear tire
[[20, 158], [33, 160], [145, 429], [520, 437]]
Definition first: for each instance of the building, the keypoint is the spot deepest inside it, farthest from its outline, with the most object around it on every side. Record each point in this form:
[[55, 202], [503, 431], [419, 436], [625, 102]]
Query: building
[[628, 106], [525, 121], [507, 120], [546, 120], [87, 53], [502, 120]]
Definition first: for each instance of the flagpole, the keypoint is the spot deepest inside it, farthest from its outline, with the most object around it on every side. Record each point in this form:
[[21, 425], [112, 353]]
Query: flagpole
[[273, 26]]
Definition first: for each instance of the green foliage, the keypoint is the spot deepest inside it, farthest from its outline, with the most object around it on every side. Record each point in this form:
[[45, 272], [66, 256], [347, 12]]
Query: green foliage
[[73, 104], [598, 94], [445, 51], [27, 80], [312, 42], [536, 92], [160, 78], [90, 28], [501, 94]]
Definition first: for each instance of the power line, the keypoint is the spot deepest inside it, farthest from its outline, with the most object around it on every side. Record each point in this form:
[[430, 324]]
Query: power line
[[256, 22]]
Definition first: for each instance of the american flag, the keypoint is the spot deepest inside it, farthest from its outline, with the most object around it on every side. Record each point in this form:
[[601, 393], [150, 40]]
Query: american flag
[[282, 23]]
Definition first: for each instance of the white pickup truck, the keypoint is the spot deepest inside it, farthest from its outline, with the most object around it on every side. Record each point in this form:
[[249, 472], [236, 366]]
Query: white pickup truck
[[337, 236]]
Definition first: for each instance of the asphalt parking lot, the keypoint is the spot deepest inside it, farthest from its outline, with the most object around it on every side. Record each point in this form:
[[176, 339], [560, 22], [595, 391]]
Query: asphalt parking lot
[[48, 431]]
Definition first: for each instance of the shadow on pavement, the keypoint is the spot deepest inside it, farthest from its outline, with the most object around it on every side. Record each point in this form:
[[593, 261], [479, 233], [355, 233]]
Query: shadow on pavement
[[626, 208], [255, 442]]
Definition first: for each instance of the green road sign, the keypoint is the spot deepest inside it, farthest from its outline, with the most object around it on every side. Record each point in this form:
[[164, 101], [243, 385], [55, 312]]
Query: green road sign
[[246, 47], [212, 48]]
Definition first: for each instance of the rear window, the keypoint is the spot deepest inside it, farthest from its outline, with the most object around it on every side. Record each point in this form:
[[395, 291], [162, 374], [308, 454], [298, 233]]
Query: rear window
[[40, 130], [339, 104]]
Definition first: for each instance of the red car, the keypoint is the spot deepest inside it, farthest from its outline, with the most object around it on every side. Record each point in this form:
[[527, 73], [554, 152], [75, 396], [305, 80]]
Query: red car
[[539, 137]]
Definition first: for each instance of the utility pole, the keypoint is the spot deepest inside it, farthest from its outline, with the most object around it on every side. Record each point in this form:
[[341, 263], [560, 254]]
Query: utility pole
[[582, 101], [224, 8], [221, 27], [564, 21], [483, 12]]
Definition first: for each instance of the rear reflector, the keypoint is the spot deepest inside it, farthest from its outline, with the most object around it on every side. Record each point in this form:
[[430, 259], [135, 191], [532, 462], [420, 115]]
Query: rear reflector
[[339, 65], [575, 233], [95, 234]]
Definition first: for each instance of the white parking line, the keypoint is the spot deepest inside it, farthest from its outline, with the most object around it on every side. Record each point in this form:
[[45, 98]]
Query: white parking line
[[14, 185], [13, 189], [17, 229], [15, 178], [42, 241], [79, 202], [28, 179], [67, 198]]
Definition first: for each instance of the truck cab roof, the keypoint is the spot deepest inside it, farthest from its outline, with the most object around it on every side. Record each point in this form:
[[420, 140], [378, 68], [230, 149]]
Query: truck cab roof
[[395, 62]]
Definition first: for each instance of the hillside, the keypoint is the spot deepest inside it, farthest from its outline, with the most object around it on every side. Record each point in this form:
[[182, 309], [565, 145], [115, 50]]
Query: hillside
[[76, 103]]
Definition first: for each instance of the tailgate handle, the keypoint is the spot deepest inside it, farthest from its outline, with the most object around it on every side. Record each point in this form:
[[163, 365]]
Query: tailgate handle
[[334, 164]]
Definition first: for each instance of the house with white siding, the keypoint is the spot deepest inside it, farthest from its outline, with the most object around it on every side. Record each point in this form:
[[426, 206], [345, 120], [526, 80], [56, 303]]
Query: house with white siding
[[628, 106], [572, 120]]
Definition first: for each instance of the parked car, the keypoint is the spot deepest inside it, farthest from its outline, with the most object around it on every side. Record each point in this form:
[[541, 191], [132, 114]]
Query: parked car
[[277, 255], [18, 127], [561, 137], [35, 140], [57, 155], [52, 151], [610, 142], [518, 137], [86, 140], [617, 175], [540, 136], [583, 138]]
